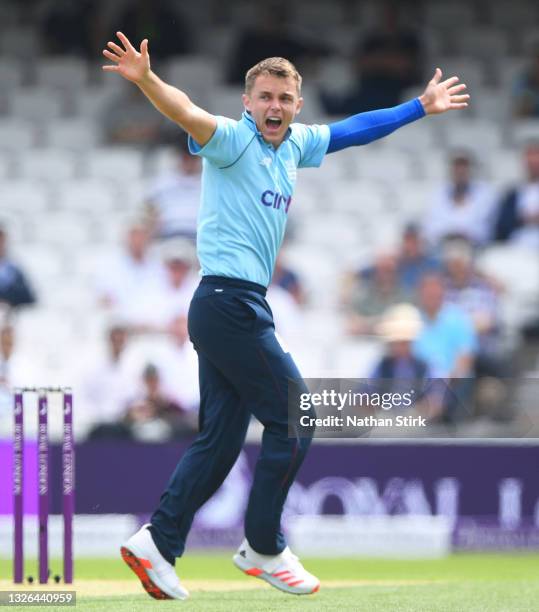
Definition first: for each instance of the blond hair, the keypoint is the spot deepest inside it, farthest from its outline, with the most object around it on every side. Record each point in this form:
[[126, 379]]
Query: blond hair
[[276, 66]]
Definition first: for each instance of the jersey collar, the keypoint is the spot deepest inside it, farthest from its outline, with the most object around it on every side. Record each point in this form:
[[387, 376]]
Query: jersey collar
[[247, 118]]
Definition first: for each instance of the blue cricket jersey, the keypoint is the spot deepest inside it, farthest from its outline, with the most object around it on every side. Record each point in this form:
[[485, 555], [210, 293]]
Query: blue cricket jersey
[[247, 189]]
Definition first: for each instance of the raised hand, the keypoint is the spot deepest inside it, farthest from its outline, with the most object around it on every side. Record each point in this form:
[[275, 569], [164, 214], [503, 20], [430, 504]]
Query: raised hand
[[131, 64], [441, 96]]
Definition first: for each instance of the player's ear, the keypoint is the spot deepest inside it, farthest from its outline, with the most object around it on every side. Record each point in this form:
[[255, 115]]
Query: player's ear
[[299, 106], [246, 99]]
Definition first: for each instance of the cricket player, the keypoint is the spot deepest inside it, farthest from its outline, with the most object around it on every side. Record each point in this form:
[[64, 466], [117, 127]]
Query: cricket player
[[249, 173]]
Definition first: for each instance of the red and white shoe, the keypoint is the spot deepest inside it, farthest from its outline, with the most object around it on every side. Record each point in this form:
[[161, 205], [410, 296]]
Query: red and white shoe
[[283, 571], [155, 573]]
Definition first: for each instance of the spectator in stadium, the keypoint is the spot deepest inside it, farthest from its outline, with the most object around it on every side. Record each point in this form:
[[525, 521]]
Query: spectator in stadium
[[107, 384], [448, 344], [414, 260], [388, 60], [160, 21], [526, 89], [15, 290], [129, 281], [517, 216], [447, 341], [373, 290], [128, 120], [400, 325], [479, 298], [172, 199], [176, 361], [285, 278], [271, 36], [463, 207], [17, 367], [180, 281], [467, 288], [154, 416], [400, 370]]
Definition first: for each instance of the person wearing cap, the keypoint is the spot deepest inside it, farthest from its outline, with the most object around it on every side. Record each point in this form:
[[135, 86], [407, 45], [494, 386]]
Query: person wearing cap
[[399, 327]]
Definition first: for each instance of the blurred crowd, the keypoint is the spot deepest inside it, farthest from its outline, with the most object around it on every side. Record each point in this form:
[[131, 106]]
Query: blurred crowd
[[438, 314]]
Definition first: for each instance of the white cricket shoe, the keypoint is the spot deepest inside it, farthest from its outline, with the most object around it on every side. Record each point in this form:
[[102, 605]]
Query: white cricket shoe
[[283, 571], [156, 574]]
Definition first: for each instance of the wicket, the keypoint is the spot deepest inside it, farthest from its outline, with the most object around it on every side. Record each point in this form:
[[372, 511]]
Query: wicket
[[68, 481]]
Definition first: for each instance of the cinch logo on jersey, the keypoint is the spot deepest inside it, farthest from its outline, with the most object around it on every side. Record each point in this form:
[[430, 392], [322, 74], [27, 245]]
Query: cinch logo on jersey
[[274, 199]]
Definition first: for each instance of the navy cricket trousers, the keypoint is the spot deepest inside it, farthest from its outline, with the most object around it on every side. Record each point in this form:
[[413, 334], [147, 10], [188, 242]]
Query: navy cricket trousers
[[243, 371]]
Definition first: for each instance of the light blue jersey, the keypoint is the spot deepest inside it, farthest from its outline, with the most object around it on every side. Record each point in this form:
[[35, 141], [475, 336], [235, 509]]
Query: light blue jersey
[[247, 189]]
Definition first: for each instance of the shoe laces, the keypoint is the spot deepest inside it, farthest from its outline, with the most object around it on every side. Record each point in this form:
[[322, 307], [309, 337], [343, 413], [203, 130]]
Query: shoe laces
[[293, 560]]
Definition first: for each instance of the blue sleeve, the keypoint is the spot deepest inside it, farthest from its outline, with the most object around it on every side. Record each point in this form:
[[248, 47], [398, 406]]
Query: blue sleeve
[[365, 127]]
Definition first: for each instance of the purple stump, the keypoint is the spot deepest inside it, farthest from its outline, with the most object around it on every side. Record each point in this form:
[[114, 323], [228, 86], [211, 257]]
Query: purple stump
[[18, 478], [68, 485], [43, 487]]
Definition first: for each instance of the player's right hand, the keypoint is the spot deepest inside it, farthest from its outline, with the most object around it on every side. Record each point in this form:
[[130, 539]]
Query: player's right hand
[[128, 62]]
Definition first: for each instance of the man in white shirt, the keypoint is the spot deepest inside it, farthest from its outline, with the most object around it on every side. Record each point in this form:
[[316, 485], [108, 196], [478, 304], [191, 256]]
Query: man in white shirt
[[462, 207], [130, 279], [172, 199]]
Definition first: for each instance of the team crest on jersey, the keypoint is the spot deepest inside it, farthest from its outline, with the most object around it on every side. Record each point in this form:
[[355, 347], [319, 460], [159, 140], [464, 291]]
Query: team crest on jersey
[[266, 162], [291, 169]]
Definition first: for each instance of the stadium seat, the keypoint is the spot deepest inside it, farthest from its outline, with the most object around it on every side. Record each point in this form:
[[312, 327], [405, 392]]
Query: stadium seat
[[24, 197], [476, 134], [413, 197], [314, 15], [481, 42], [524, 130], [6, 169], [417, 138], [11, 74], [66, 73], [470, 71], [87, 196], [492, 104], [63, 230], [40, 262], [19, 42], [52, 165], [529, 39], [36, 104], [384, 166], [358, 197], [194, 74], [16, 135], [512, 15], [73, 134], [444, 15], [91, 101], [226, 101], [506, 167], [114, 163], [218, 42], [509, 69], [357, 358]]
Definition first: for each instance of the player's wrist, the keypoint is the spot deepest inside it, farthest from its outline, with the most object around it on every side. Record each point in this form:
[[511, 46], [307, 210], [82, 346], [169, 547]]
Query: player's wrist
[[426, 106]]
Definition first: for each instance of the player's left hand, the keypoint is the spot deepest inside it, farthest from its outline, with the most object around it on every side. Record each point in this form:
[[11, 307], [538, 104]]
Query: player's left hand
[[441, 96]]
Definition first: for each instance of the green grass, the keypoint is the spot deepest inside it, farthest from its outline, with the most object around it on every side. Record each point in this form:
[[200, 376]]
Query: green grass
[[460, 583]]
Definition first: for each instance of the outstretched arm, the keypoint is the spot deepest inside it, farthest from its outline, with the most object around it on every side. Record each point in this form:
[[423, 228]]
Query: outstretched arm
[[439, 96], [173, 103]]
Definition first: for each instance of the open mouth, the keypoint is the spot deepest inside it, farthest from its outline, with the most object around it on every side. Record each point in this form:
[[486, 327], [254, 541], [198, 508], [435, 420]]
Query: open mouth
[[273, 123]]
